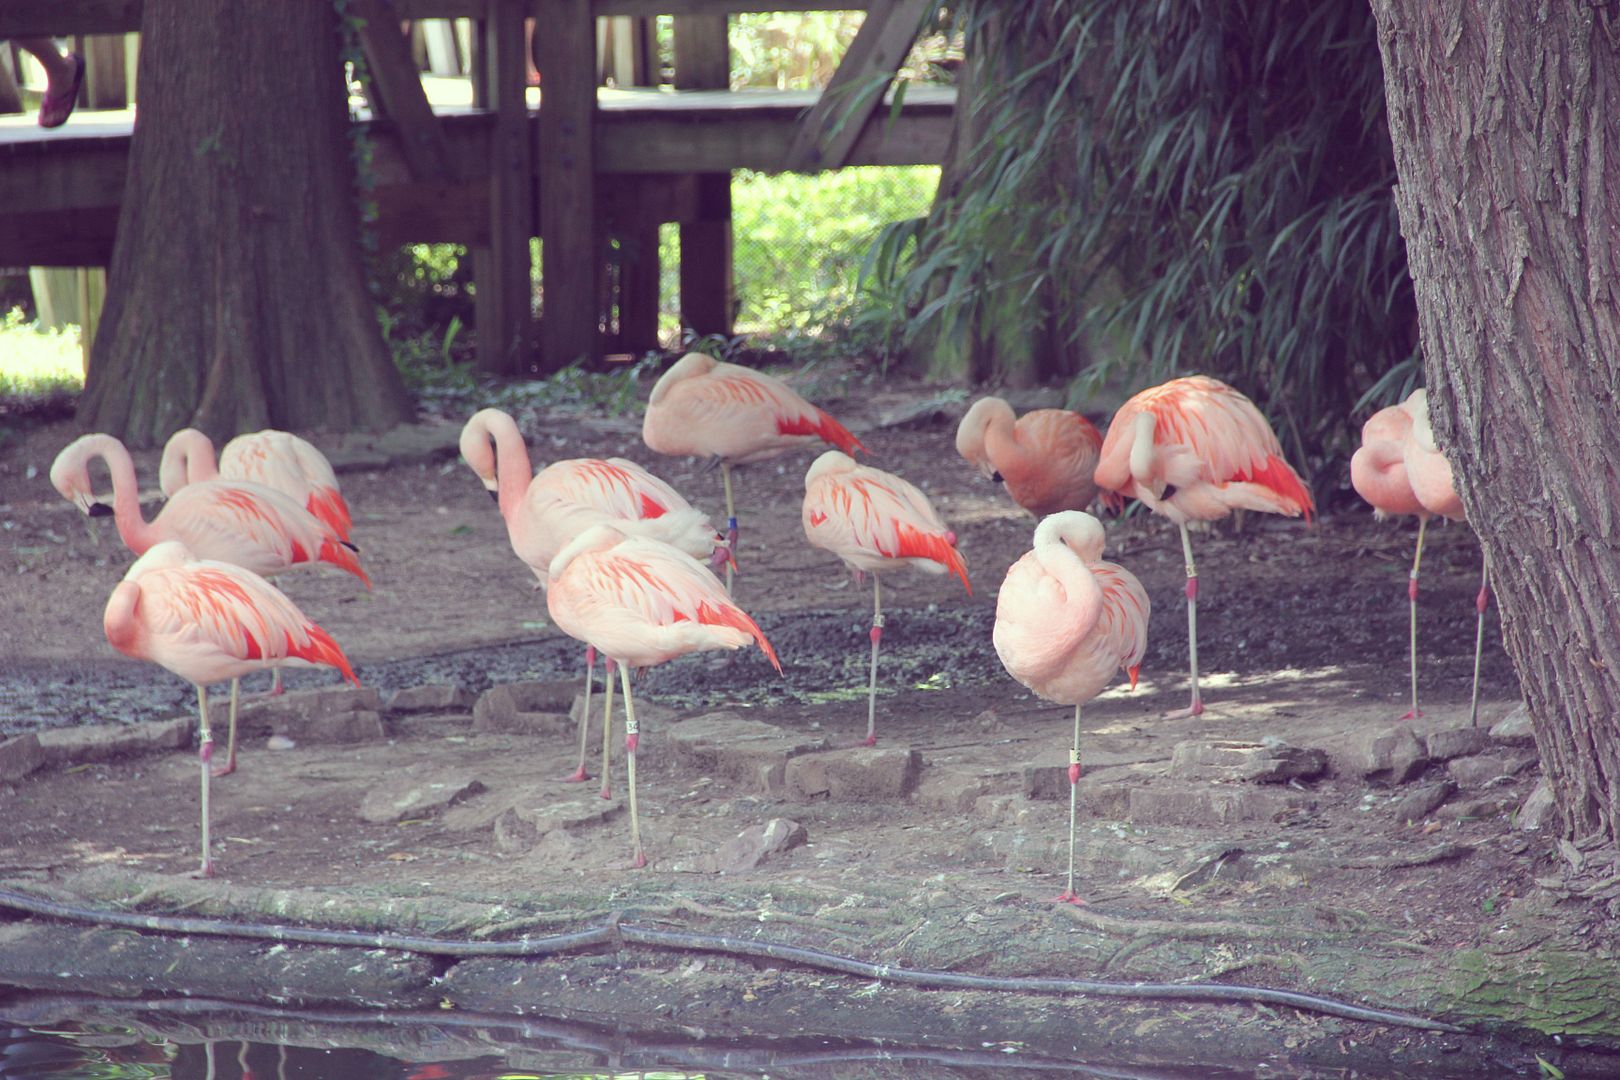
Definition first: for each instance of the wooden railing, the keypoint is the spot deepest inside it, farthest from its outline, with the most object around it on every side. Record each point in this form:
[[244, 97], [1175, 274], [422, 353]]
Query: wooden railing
[[588, 165]]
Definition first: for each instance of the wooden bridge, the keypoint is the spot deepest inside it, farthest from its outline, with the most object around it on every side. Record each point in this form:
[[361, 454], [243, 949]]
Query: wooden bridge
[[492, 170]]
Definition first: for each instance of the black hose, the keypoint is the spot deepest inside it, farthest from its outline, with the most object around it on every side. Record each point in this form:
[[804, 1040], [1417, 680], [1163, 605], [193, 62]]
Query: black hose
[[617, 934]]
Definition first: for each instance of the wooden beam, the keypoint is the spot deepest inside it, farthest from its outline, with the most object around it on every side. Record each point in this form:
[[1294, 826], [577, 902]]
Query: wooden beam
[[396, 87], [502, 270], [722, 7], [829, 131], [571, 257], [703, 61], [31, 18]]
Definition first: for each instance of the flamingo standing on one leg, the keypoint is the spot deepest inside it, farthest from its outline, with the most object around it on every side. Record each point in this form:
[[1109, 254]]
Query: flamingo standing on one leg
[[1194, 449], [1432, 483], [875, 521], [707, 408], [1378, 473], [206, 621], [1066, 622], [642, 602], [1046, 459], [276, 459], [544, 511], [245, 524]]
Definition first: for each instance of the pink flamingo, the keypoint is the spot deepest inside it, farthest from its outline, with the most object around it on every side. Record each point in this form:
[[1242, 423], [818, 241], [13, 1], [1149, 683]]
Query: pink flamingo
[[642, 602], [1046, 460], [1432, 483], [246, 524], [1194, 449], [276, 459], [545, 511], [706, 408], [206, 621], [1378, 473], [1066, 622], [875, 521]]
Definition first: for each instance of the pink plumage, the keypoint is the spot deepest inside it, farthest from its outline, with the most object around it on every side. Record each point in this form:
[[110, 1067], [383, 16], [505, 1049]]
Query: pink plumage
[[1067, 623], [874, 520], [705, 407], [207, 621], [243, 523], [1196, 449], [1426, 467], [276, 459], [1046, 459], [1378, 467], [642, 602]]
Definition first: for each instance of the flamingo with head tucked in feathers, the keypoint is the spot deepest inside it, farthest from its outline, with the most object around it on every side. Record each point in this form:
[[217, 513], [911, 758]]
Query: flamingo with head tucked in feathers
[[206, 621], [1046, 459], [1066, 622], [238, 522], [1194, 449], [704, 407], [1378, 473], [875, 521], [1433, 484], [276, 459], [547, 510], [642, 602]]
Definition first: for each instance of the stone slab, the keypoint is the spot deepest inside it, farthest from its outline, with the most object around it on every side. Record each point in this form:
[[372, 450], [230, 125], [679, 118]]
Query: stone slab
[[750, 754], [417, 793], [520, 827], [1212, 806], [436, 697], [104, 742], [20, 756], [1266, 762], [856, 774]]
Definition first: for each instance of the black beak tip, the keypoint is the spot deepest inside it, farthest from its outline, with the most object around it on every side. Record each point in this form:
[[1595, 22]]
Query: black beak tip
[[995, 477], [100, 510], [495, 495]]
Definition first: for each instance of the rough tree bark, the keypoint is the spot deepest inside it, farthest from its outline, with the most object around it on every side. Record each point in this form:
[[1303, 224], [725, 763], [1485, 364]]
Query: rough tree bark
[[1506, 122], [237, 296]]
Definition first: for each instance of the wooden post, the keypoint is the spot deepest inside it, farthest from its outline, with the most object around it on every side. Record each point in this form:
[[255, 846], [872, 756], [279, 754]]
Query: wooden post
[[631, 59], [570, 255], [502, 269], [703, 62]]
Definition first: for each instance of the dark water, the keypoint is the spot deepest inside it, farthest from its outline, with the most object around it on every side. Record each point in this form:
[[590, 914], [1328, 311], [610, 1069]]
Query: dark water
[[196, 1040]]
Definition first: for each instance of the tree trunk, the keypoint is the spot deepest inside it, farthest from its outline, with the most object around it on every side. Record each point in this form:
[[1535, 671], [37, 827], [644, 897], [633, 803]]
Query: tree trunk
[[1505, 118], [237, 297]]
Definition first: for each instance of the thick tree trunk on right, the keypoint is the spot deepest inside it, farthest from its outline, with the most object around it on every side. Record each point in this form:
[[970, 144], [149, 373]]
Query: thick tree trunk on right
[[1505, 118]]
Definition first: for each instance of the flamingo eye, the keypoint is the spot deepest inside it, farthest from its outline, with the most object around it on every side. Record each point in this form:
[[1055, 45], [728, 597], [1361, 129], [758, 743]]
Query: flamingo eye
[[1169, 490]]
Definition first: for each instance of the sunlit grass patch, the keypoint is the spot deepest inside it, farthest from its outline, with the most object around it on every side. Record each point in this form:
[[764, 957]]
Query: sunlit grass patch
[[36, 360]]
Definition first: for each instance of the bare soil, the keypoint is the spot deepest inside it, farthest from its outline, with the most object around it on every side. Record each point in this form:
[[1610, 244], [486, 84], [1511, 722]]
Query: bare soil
[[1317, 885]]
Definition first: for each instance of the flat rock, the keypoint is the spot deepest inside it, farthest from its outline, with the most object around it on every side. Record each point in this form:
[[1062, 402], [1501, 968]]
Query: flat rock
[[525, 708], [929, 412], [857, 774], [1212, 805], [1514, 729], [1391, 755], [750, 754], [1269, 762], [417, 792], [1421, 801], [649, 714], [437, 697], [1477, 771], [753, 846], [521, 827], [74, 746], [1474, 809], [350, 727], [1538, 811], [260, 714], [950, 791], [406, 444], [1456, 742], [20, 756]]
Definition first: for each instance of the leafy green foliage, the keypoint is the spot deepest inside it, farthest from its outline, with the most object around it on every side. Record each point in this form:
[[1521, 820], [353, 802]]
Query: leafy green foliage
[[1170, 188]]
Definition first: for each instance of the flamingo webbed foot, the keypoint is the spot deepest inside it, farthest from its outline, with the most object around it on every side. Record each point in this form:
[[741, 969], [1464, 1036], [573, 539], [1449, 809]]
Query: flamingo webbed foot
[[1194, 710], [206, 870], [227, 768], [1068, 897], [1411, 714], [579, 776], [606, 792], [870, 740]]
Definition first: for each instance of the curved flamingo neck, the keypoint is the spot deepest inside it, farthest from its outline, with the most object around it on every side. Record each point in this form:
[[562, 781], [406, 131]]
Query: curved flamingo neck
[[513, 470], [1001, 443], [1079, 584], [1142, 447], [188, 458], [135, 530]]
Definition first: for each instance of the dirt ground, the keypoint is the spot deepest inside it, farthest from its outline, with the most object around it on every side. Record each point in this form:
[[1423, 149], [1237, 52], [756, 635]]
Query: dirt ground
[[1303, 639]]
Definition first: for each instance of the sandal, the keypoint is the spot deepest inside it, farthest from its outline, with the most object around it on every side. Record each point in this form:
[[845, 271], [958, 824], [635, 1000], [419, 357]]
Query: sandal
[[58, 105]]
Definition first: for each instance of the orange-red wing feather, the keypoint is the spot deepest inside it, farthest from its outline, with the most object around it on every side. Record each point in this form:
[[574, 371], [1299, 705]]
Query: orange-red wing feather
[[823, 427], [916, 544]]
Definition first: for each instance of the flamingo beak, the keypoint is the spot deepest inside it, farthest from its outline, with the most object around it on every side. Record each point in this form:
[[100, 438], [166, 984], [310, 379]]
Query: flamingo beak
[[98, 509]]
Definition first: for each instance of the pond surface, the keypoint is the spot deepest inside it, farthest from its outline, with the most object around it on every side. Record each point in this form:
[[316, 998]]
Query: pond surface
[[189, 1039]]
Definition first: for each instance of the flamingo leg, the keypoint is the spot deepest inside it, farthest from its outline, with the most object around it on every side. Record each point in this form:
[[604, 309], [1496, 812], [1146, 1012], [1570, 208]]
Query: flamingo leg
[[276, 689], [1411, 596], [731, 524], [1196, 707], [632, 737], [230, 740], [580, 775], [877, 637], [205, 755], [607, 726], [1069, 896], [1480, 603]]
